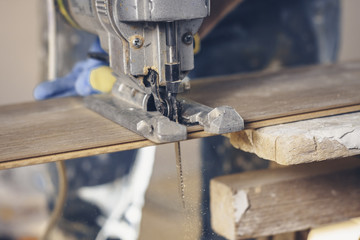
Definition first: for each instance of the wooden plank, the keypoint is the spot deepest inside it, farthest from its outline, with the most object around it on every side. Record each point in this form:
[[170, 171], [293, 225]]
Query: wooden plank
[[302, 116], [270, 96], [269, 202], [61, 129], [51, 126], [304, 141]]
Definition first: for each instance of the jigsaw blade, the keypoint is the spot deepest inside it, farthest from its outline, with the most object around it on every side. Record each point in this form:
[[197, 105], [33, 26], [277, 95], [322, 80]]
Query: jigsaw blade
[[180, 172]]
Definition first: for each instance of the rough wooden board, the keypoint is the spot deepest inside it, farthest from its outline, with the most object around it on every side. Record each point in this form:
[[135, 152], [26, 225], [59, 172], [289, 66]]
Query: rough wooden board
[[304, 141], [61, 129], [268, 202]]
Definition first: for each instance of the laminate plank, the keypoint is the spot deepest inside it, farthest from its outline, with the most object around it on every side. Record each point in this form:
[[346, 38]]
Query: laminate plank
[[263, 96], [57, 125], [61, 129]]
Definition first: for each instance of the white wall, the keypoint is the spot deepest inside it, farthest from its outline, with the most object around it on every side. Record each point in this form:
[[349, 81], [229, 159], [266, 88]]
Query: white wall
[[20, 49], [350, 43]]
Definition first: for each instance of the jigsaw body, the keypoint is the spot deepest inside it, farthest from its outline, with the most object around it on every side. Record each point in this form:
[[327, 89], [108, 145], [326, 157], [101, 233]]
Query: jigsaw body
[[150, 46]]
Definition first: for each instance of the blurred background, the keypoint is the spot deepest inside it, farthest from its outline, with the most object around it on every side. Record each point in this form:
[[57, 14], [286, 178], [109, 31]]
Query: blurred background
[[22, 50], [23, 65]]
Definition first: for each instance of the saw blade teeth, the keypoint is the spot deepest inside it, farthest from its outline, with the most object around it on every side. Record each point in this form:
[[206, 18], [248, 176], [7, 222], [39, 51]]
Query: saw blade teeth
[[180, 172]]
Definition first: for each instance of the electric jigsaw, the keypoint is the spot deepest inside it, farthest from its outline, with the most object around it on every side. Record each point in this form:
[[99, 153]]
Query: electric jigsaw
[[150, 47]]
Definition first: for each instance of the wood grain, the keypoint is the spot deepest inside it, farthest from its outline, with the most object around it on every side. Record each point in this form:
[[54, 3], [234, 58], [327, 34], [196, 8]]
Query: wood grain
[[268, 96], [61, 129], [269, 202]]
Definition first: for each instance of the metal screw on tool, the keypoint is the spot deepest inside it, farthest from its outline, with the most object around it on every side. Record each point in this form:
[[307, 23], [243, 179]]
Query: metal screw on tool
[[137, 42], [188, 38]]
